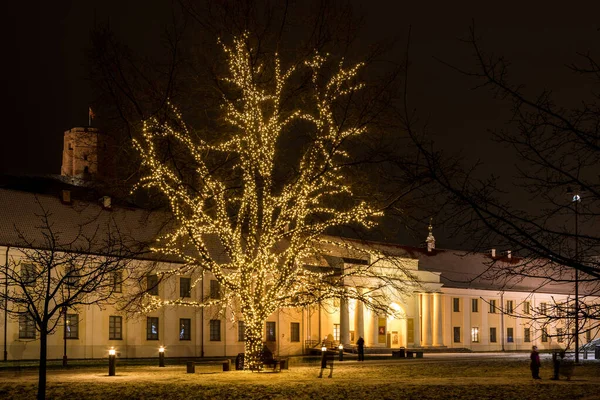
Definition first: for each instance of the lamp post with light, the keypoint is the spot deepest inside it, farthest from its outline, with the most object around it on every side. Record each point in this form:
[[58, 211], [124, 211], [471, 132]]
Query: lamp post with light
[[112, 355], [341, 348], [161, 356], [576, 199], [65, 333]]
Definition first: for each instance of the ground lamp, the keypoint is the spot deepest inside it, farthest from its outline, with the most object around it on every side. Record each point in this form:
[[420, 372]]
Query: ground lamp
[[341, 347], [161, 356], [112, 355]]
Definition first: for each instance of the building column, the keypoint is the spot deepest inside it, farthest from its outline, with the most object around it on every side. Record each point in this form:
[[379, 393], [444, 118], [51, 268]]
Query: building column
[[344, 321], [359, 319], [417, 320], [438, 320], [427, 325], [374, 329]]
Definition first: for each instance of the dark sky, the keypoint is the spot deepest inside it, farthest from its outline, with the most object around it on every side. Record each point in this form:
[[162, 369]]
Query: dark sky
[[47, 92]]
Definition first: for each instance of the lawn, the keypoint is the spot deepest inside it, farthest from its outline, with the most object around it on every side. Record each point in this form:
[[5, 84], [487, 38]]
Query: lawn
[[462, 378]]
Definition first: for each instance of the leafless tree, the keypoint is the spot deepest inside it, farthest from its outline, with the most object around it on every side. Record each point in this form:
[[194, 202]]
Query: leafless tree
[[553, 224], [51, 272]]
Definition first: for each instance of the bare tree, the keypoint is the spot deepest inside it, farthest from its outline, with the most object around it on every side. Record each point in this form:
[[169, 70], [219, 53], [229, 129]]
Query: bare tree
[[552, 216], [53, 272]]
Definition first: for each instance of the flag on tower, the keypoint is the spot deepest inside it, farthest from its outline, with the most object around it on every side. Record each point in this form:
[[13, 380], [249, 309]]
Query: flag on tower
[[91, 116]]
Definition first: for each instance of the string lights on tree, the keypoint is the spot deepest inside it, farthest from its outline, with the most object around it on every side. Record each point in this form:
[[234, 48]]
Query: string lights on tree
[[267, 226]]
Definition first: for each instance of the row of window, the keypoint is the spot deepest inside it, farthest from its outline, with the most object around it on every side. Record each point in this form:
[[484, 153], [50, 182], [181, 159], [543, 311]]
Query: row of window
[[29, 274], [560, 334], [185, 287], [115, 328], [509, 309]]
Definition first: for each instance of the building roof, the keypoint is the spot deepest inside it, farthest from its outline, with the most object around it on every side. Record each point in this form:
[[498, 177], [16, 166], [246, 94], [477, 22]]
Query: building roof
[[75, 223]]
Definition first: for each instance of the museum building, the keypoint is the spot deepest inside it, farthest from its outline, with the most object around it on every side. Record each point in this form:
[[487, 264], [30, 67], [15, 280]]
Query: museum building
[[450, 306]]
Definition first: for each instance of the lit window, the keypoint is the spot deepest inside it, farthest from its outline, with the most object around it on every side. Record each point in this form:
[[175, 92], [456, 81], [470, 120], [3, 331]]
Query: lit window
[[152, 328], [185, 328], [115, 327], [526, 307], [72, 326], [26, 327], [336, 332], [295, 332], [215, 330], [475, 335], [271, 336]]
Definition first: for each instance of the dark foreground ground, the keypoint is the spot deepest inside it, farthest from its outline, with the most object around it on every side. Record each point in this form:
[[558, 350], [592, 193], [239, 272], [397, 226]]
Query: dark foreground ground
[[477, 376]]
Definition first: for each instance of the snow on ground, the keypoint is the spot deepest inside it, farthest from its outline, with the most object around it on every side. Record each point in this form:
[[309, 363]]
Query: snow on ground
[[465, 376]]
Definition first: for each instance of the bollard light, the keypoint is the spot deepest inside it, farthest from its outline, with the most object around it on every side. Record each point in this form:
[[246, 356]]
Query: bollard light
[[161, 356], [341, 347], [112, 355], [324, 348]]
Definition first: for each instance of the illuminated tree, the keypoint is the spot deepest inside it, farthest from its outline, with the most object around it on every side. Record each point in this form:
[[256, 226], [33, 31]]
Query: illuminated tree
[[240, 192]]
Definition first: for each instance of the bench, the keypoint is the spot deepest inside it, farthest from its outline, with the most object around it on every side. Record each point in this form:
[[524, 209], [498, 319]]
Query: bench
[[191, 365]]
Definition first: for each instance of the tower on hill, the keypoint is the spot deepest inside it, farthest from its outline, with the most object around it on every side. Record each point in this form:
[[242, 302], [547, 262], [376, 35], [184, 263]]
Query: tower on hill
[[85, 155]]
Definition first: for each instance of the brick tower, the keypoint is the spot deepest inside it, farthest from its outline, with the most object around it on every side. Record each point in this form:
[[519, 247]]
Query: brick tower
[[85, 155]]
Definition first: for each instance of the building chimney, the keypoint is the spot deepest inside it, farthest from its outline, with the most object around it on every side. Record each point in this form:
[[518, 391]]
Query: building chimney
[[493, 253], [66, 197]]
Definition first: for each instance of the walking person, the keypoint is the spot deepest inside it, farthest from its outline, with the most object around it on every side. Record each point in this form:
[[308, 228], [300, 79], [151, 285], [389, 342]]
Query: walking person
[[361, 348], [327, 360], [535, 363]]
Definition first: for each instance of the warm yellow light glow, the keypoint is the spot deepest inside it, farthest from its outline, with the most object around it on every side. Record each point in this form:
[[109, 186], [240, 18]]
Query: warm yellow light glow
[[267, 227], [161, 349], [324, 348], [341, 347], [112, 352]]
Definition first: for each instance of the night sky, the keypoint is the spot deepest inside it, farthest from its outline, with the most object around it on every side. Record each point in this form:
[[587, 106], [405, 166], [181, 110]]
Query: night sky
[[48, 92]]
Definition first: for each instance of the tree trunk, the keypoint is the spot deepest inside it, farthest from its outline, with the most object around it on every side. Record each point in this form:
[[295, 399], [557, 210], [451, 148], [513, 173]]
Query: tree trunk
[[254, 344], [42, 372]]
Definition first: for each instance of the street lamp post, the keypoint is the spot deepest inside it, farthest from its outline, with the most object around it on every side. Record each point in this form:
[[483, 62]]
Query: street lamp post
[[161, 356], [341, 348], [576, 200], [64, 361], [112, 354]]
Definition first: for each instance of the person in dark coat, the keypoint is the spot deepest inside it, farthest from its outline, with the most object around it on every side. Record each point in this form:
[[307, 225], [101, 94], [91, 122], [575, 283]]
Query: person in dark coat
[[535, 363], [361, 348], [327, 360]]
